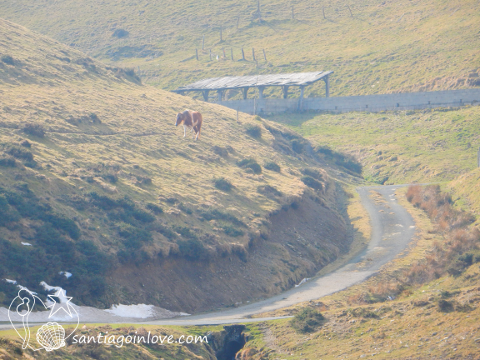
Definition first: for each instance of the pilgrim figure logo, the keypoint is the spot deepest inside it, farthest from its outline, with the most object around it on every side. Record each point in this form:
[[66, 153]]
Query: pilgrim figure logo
[[50, 336]]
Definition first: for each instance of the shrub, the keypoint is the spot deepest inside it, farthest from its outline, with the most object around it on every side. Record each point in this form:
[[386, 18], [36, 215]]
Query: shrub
[[67, 225], [185, 209], [19, 152], [103, 202], [312, 173], [223, 184], [120, 33], [185, 232], [154, 208], [135, 237], [250, 164], [219, 215], [192, 249], [223, 152], [307, 320], [110, 177], [34, 130], [26, 143], [8, 162], [340, 159], [254, 131], [272, 166], [445, 305], [7, 59], [268, 190], [311, 182], [232, 231], [297, 146]]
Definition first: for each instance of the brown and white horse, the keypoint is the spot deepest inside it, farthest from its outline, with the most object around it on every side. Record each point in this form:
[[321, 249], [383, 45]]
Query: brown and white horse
[[192, 120]]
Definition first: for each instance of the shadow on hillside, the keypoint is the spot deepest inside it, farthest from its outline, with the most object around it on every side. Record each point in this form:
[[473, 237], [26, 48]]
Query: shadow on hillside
[[292, 119]]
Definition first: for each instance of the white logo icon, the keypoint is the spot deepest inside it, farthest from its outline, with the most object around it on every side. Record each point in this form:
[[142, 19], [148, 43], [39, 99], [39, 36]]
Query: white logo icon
[[50, 336]]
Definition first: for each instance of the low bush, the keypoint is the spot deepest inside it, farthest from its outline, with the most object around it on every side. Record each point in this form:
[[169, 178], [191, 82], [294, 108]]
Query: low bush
[[7, 162], [34, 130], [272, 166], [232, 231], [19, 152], [254, 131], [307, 320], [250, 164], [297, 145], [120, 33], [7, 59], [192, 249], [223, 184], [154, 208], [314, 173], [311, 182], [185, 232], [268, 190], [216, 214], [445, 305], [185, 209], [135, 237], [460, 248], [340, 159]]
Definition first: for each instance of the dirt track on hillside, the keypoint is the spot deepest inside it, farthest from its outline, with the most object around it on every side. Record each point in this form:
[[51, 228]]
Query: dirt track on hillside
[[392, 230]]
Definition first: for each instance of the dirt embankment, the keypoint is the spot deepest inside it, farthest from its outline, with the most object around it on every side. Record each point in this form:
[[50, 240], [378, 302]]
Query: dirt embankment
[[303, 238]]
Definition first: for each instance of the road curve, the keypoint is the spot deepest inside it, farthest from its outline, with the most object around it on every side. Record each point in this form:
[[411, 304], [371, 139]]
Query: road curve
[[392, 230]]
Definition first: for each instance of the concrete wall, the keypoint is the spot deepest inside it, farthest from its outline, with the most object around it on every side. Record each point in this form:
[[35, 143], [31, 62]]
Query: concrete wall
[[403, 101]]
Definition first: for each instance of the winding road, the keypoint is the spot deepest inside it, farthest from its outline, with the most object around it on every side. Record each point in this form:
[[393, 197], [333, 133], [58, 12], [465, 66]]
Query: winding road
[[392, 230]]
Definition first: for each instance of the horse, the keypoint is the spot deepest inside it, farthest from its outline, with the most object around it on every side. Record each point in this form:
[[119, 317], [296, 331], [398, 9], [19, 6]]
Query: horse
[[192, 120]]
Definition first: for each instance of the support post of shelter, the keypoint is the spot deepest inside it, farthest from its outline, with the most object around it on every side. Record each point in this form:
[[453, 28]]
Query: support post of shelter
[[260, 91], [285, 91], [220, 94], [205, 95], [300, 100], [245, 93], [327, 85]]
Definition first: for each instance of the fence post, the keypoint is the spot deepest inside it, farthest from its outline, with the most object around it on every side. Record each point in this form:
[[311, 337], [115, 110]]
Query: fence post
[[210, 54], [264, 55], [231, 53], [196, 53], [243, 54], [253, 54]]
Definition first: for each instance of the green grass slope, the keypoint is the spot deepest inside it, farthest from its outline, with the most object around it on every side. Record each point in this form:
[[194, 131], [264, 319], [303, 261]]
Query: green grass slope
[[97, 178], [378, 47], [398, 147]]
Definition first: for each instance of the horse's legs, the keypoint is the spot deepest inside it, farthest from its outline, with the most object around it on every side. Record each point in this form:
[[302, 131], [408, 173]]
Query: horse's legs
[[184, 131]]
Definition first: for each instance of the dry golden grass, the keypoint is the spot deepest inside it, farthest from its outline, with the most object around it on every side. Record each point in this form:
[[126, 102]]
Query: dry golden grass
[[55, 86], [385, 47]]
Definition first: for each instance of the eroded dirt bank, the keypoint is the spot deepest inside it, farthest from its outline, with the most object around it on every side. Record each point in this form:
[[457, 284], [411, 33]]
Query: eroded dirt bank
[[303, 237]]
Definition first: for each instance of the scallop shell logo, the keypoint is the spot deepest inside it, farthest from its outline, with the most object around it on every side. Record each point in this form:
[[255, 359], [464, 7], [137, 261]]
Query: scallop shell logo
[[51, 336]]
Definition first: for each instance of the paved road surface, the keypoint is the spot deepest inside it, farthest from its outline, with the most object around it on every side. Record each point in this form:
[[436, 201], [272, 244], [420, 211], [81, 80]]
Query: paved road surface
[[392, 230]]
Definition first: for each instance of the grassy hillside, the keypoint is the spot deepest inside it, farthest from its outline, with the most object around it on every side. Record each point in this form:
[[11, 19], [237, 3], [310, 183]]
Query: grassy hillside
[[466, 190], [375, 47], [97, 178], [423, 305], [398, 147]]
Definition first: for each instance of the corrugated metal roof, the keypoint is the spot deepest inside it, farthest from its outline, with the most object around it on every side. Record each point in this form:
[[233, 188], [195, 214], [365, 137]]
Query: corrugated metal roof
[[233, 82]]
